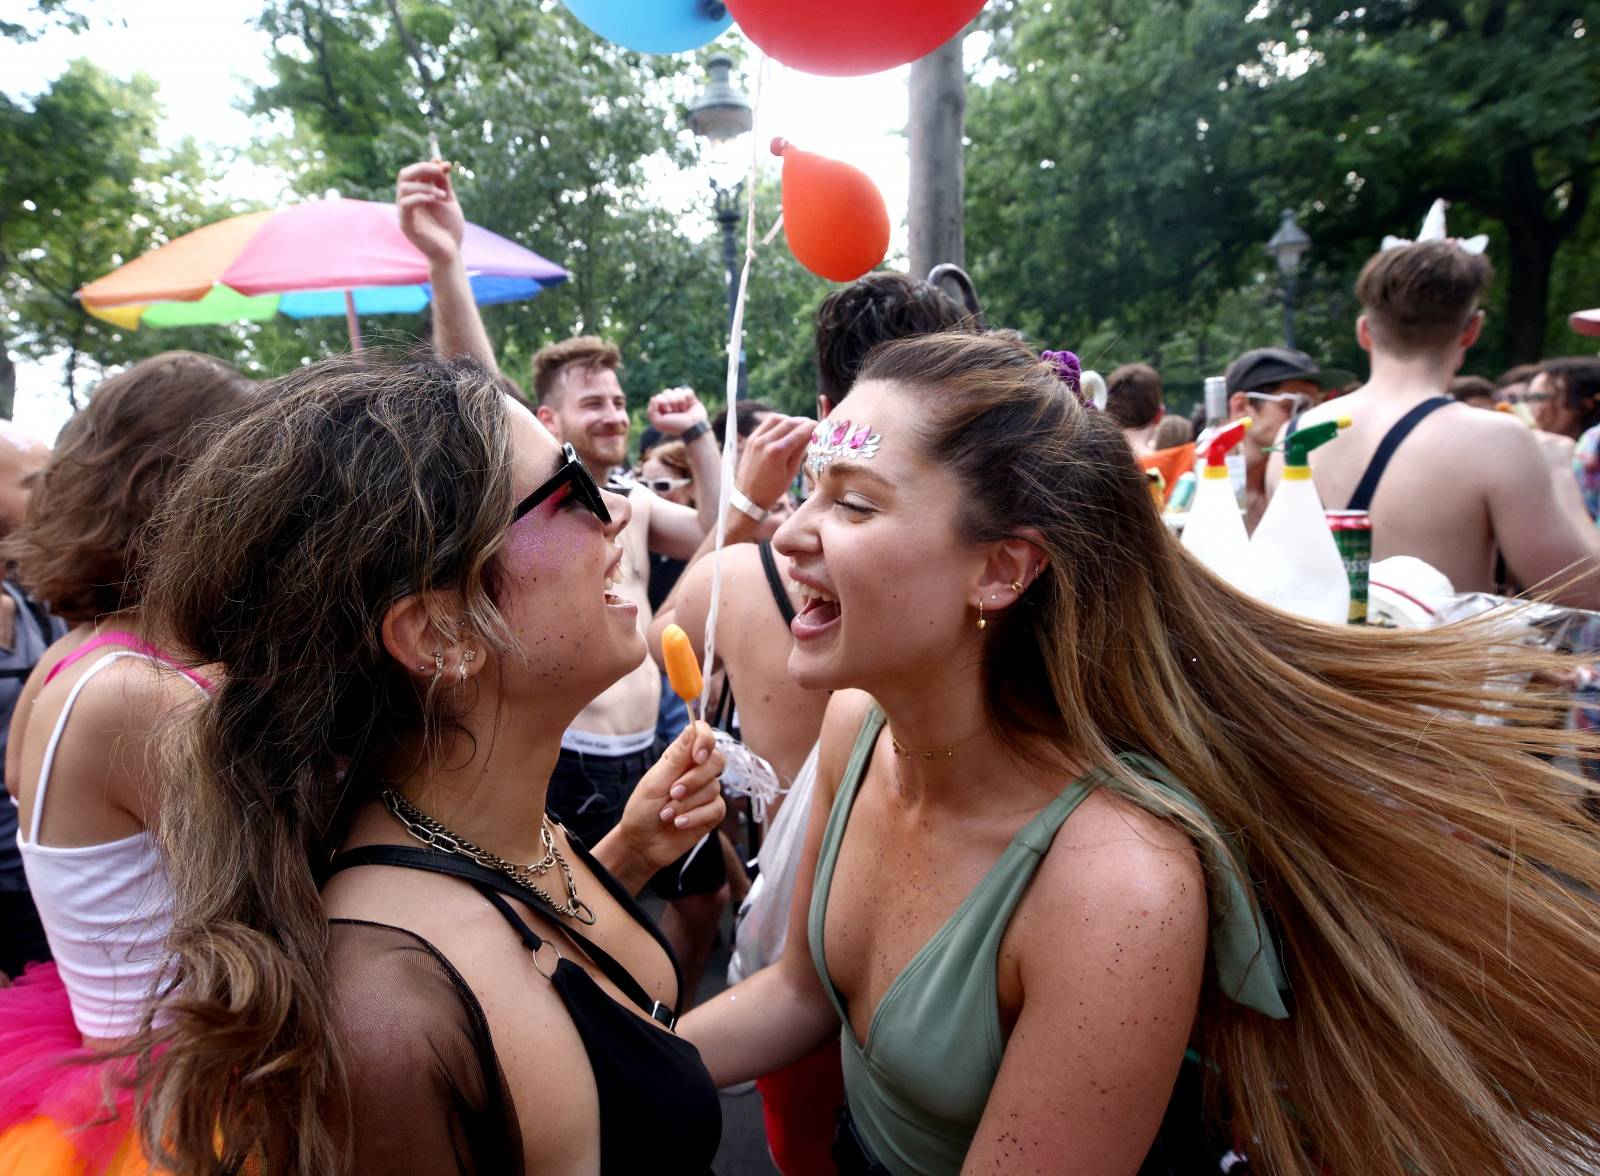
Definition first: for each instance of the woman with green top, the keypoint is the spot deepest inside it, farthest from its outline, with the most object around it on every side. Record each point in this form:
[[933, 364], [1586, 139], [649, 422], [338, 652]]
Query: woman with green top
[[1082, 808]]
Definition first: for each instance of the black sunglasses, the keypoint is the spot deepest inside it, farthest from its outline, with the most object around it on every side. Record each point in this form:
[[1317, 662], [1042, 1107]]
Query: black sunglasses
[[584, 489]]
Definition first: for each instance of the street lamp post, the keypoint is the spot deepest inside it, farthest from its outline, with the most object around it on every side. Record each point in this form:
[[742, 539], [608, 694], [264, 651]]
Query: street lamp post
[[721, 114], [1287, 246]]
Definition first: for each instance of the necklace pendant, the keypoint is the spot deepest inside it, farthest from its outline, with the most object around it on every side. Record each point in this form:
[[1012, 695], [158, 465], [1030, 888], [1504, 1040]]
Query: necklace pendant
[[581, 911]]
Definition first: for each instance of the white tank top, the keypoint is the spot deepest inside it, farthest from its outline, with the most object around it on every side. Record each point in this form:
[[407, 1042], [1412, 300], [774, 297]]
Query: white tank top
[[106, 908]]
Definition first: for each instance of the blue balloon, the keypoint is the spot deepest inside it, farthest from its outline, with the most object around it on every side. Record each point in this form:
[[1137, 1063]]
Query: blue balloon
[[654, 26]]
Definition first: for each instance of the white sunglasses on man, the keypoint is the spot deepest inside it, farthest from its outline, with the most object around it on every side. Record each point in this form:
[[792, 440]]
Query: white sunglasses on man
[[1296, 401]]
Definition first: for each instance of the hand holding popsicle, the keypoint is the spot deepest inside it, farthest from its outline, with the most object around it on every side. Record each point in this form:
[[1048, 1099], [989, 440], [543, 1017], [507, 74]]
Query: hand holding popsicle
[[678, 802]]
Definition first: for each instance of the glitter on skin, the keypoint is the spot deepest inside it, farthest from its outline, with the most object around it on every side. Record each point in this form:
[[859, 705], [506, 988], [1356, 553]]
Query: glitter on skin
[[532, 538]]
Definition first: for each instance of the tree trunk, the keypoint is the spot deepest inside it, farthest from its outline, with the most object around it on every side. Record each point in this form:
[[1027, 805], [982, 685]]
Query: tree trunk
[[8, 384], [1533, 239], [1532, 251], [935, 130]]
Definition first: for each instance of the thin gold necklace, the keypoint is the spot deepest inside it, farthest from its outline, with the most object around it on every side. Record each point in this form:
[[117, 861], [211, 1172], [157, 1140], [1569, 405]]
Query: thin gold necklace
[[936, 753], [436, 835]]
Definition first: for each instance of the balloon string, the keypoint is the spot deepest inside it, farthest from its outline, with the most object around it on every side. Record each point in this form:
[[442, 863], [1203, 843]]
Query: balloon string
[[730, 432], [731, 429]]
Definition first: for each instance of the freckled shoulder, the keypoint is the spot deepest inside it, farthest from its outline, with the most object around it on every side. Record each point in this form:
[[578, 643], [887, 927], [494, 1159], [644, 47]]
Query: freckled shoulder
[[1115, 862]]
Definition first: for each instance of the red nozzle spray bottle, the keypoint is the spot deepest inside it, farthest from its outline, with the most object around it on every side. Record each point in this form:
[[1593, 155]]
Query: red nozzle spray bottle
[[1214, 532]]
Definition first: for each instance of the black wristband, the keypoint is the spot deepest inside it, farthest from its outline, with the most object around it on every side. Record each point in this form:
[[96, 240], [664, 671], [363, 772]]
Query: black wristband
[[698, 429]]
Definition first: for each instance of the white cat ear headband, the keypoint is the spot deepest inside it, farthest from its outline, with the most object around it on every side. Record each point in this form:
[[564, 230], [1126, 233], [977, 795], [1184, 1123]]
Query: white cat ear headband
[[1433, 230]]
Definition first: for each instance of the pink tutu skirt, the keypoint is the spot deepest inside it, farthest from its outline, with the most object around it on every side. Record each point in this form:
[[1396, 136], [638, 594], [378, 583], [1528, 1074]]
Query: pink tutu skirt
[[62, 1110]]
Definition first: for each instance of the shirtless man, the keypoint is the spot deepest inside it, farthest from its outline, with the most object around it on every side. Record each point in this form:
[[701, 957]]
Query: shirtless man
[[1464, 487], [579, 398]]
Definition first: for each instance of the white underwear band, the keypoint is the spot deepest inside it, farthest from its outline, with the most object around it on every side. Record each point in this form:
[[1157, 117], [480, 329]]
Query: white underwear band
[[614, 746]]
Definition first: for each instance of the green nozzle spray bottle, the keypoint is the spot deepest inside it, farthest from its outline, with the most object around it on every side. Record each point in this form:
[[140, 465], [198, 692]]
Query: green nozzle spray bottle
[[1298, 563]]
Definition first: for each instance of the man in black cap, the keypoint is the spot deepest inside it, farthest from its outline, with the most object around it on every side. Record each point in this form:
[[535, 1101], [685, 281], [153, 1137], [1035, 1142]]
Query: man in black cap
[[1272, 386]]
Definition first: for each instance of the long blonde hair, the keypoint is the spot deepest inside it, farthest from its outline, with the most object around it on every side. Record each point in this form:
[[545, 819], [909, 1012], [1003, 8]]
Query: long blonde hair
[[1425, 870]]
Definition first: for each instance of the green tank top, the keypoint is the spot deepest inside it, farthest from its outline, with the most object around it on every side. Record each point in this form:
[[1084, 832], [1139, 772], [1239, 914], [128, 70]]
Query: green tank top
[[918, 1085]]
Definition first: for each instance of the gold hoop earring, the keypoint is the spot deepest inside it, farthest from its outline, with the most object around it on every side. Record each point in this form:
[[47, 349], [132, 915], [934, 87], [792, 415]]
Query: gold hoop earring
[[1016, 586], [982, 624]]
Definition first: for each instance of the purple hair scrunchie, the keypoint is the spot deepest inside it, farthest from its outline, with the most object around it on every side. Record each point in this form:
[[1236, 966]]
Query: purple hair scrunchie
[[1068, 370]]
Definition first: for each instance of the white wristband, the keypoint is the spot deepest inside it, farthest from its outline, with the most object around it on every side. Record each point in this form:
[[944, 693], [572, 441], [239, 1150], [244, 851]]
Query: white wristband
[[741, 503]]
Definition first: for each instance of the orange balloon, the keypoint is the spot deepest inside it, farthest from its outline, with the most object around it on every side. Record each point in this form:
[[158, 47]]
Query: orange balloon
[[834, 217]]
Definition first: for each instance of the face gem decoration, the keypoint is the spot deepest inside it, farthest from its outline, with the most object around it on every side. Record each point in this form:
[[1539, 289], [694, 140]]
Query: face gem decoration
[[840, 441]]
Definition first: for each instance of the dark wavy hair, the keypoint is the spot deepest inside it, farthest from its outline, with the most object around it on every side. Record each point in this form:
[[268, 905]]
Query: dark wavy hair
[[85, 536], [352, 484], [872, 310], [1577, 381]]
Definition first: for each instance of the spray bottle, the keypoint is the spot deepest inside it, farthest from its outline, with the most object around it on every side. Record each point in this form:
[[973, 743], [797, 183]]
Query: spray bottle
[[1214, 532], [1298, 564]]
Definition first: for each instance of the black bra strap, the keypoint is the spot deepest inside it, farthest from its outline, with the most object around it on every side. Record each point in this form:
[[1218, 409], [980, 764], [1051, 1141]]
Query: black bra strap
[[492, 884], [1398, 432], [775, 581]]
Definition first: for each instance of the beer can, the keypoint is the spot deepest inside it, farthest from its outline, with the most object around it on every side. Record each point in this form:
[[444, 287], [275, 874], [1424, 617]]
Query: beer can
[[1352, 533]]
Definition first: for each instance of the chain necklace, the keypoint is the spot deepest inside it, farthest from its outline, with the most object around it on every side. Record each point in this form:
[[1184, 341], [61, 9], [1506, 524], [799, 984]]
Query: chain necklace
[[935, 753], [435, 835]]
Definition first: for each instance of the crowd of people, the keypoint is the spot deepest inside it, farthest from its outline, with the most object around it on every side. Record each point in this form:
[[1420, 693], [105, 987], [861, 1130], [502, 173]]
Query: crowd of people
[[344, 756]]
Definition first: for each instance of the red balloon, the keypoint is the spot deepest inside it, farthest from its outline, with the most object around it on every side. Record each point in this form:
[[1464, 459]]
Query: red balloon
[[845, 37], [834, 217]]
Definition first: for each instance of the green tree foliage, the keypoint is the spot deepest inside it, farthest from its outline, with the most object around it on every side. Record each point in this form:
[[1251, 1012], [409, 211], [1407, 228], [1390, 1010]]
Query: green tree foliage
[[83, 188], [561, 141], [1129, 157]]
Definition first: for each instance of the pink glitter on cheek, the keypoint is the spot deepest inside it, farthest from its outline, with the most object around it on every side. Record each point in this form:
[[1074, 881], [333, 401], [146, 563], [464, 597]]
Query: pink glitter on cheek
[[539, 538]]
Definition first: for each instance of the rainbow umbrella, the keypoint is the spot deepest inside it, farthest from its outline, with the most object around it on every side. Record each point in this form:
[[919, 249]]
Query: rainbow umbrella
[[323, 257]]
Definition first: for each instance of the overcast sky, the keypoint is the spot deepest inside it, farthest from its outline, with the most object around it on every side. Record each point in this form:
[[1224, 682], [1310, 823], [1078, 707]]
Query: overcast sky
[[205, 55]]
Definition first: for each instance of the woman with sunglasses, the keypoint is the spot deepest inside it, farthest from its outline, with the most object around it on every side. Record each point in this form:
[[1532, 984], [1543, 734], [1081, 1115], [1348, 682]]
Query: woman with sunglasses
[[386, 957]]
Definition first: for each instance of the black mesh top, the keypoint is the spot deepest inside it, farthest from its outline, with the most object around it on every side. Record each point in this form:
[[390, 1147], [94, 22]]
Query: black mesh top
[[427, 1091]]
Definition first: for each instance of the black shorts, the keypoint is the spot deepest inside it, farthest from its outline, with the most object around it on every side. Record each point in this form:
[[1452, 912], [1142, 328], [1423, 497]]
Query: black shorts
[[706, 872], [588, 792]]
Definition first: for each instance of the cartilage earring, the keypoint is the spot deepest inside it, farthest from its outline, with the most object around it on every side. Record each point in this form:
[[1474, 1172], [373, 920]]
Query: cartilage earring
[[1016, 585], [982, 624], [466, 663], [438, 662]]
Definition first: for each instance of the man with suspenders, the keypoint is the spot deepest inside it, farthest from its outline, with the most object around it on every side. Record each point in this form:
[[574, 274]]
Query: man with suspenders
[[1467, 491]]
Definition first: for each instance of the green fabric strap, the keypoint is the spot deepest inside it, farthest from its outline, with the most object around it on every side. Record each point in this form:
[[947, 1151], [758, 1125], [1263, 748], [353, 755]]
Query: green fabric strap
[[1246, 962]]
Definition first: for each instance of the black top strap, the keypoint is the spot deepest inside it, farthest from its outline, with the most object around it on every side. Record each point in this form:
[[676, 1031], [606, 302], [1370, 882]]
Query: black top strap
[[1398, 432], [492, 884], [775, 581]]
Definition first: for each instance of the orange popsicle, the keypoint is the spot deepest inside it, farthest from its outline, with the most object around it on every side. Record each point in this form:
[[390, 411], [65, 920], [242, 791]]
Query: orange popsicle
[[683, 668]]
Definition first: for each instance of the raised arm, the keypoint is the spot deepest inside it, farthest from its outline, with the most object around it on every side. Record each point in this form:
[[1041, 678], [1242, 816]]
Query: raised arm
[[677, 412], [431, 219], [768, 463]]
